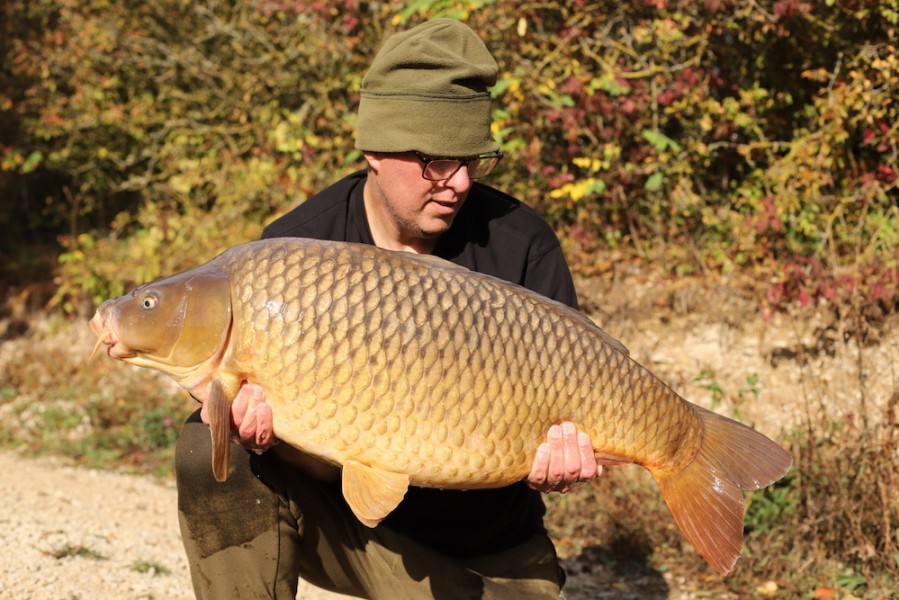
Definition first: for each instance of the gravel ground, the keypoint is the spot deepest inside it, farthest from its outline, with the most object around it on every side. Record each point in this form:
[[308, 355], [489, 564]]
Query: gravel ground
[[67, 537]]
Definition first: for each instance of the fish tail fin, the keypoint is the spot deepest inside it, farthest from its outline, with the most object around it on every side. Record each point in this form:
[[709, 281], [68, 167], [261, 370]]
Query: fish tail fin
[[706, 497], [219, 414]]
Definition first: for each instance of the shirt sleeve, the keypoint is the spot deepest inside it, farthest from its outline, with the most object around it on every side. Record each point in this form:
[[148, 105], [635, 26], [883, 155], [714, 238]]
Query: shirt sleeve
[[548, 274]]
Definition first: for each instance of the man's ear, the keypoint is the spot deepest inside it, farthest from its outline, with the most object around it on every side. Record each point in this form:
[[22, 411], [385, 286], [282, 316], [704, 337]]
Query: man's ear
[[373, 159]]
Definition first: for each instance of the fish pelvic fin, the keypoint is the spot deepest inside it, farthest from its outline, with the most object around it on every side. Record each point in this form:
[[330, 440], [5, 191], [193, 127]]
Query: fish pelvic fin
[[219, 414], [706, 497], [372, 493]]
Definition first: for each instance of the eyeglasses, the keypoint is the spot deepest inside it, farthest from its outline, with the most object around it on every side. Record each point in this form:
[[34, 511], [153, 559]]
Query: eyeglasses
[[439, 169]]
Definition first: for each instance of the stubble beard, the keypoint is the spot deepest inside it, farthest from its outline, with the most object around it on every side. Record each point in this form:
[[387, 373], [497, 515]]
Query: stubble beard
[[410, 228]]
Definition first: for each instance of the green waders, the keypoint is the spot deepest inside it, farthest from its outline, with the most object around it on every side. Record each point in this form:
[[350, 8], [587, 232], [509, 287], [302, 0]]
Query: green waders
[[256, 534]]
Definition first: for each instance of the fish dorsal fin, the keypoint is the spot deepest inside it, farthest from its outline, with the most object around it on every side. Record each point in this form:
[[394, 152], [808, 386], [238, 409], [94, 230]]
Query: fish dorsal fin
[[429, 260], [218, 411], [372, 493]]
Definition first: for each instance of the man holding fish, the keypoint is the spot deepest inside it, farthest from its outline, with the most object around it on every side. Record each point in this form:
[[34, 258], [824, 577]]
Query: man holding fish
[[424, 129]]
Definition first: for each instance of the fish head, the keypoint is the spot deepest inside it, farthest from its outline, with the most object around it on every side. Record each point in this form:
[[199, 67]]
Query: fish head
[[178, 325]]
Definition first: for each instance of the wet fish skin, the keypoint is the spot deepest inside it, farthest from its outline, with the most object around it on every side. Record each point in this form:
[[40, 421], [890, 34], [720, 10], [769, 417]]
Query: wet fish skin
[[406, 369]]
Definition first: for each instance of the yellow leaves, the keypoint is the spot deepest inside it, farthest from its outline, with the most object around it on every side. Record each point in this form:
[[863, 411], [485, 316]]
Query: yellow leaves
[[591, 185], [312, 140], [285, 138], [610, 153], [667, 31], [820, 75], [522, 28], [547, 87], [578, 190], [888, 65], [769, 589], [594, 164], [642, 34], [508, 86], [181, 184]]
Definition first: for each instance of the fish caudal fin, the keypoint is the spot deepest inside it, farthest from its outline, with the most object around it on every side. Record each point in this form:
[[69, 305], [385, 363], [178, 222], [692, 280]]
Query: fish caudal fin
[[219, 414], [706, 497]]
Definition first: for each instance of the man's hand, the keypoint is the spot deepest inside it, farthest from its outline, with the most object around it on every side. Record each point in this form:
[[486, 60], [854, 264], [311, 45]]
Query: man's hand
[[251, 419], [563, 460]]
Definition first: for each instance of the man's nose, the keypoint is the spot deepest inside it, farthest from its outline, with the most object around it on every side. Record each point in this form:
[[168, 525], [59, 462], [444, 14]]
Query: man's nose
[[460, 181]]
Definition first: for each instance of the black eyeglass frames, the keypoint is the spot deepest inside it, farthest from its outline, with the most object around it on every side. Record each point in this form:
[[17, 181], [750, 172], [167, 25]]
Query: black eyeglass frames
[[439, 169]]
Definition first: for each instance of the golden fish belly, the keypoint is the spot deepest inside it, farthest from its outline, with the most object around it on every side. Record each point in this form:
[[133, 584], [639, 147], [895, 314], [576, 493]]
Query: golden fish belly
[[439, 373]]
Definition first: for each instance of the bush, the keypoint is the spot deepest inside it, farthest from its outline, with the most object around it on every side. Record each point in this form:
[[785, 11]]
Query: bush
[[173, 129], [704, 137], [711, 137]]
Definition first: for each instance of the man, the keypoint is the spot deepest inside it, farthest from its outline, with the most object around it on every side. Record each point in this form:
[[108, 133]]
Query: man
[[424, 129]]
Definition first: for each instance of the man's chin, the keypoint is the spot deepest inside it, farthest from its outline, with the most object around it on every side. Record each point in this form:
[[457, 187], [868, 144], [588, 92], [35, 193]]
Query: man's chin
[[436, 229]]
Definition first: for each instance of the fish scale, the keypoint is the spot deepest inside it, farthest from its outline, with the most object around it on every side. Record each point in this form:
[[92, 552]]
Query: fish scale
[[406, 369], [423, 362]]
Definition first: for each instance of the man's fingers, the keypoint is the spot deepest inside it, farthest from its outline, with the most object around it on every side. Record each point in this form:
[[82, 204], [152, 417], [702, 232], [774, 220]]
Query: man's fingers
[[239, 408], [589, 468], [537, 477], [571, 455], [564, 459], [245, 406], [247, 429], [555, 473], [264, 426]]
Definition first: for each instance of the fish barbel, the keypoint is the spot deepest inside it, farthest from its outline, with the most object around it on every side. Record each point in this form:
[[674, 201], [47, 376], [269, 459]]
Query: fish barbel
[[406, 369]]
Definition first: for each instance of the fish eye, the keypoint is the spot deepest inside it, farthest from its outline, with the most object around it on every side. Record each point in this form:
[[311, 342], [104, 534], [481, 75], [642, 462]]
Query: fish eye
[[149, 301]]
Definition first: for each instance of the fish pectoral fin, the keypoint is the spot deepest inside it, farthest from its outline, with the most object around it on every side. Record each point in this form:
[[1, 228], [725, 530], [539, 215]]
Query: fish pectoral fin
[[611, 460], [372, 493], [218, 410]]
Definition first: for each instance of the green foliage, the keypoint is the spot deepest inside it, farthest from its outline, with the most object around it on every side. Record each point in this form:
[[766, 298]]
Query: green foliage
[[100, 413], [707, 380], [769, 508], [150, 566], [712, 136], [836, 508], [76, 551], [172, 129]]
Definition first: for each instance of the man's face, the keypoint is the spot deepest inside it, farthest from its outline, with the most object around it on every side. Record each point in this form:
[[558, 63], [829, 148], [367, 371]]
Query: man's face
[[412, 205]]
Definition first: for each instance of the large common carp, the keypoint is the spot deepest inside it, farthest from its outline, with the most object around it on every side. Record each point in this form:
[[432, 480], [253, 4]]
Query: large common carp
[[407, 369]]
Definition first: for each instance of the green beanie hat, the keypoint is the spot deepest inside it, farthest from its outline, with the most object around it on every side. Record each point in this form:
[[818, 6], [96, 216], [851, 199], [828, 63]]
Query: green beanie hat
[[426, 90]]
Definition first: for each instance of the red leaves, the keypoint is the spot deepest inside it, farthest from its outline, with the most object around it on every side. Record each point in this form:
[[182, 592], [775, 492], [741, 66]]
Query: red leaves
[[785, 9]]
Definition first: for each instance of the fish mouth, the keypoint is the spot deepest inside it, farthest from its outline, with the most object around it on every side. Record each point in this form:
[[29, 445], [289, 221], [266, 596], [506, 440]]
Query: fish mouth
[[107, 337]]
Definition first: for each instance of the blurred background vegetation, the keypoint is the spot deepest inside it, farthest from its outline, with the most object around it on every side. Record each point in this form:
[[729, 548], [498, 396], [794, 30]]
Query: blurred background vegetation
[[701, 136], [754, 141]]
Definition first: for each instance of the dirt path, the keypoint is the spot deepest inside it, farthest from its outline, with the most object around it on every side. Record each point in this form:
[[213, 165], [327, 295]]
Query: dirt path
[[67, 536]]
